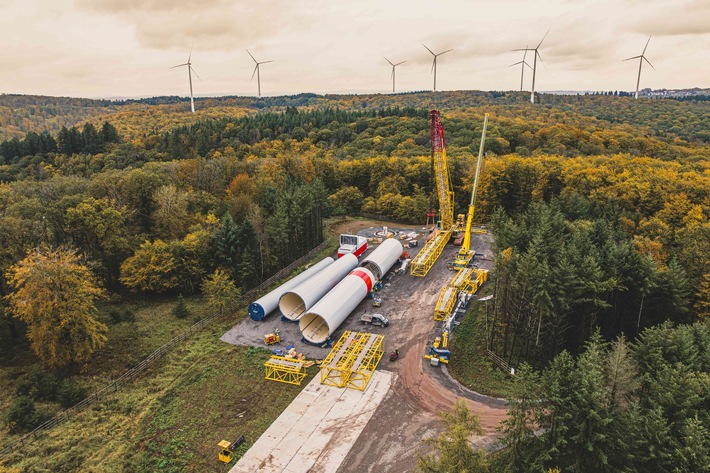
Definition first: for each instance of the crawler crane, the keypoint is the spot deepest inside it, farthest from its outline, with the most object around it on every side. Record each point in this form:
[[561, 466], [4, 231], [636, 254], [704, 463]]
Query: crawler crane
[[467, 280], [425, 259]]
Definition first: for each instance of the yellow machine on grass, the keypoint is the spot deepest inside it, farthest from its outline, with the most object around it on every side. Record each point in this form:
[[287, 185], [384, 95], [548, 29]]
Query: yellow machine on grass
[[226, 452]]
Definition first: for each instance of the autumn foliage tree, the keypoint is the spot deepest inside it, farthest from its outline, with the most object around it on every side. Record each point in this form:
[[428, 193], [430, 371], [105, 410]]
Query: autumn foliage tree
[[452, 449], [219, 290], [55, 294]]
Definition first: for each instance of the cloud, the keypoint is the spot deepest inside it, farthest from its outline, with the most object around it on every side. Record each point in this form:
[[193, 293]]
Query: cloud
[[209, 25], [689, 18]]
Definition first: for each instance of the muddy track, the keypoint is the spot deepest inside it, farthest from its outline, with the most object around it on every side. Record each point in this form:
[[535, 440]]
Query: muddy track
[[420, 393]]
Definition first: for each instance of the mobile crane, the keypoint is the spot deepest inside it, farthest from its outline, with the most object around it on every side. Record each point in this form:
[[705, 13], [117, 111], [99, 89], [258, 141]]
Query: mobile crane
[[467, 280], [425, 259], [465, 254]]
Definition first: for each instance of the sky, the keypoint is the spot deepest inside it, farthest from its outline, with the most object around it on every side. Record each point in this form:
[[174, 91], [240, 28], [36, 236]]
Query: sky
[[125, 48]]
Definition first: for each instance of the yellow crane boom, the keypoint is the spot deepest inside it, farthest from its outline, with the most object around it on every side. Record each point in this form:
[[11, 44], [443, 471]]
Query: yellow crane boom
[[465, 254]]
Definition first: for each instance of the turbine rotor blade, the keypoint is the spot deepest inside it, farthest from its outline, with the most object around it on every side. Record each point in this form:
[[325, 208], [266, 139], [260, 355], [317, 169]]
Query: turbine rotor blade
[[190, 56], [432, 52], [180, 65], [388, 61], [399, 63], [630, 58], [538, 55], [265, 62], [649, 62], [644, 48], [193, 70], [516, 63], [447, 51], [523, 49], [432, 65], [255, 68], [252, 57], [543, 39]]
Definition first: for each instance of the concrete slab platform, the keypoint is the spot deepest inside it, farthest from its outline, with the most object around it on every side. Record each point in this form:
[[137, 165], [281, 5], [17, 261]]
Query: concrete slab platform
[[317, 430]]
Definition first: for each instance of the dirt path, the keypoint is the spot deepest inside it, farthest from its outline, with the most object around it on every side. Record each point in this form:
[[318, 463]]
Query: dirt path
[[411, 409]]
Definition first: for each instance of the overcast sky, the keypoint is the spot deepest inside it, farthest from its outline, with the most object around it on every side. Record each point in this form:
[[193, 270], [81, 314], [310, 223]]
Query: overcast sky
[[124, 48]]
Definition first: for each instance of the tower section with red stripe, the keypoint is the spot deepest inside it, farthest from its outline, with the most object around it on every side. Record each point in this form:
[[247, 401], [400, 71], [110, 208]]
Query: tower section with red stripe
[[325, 317]]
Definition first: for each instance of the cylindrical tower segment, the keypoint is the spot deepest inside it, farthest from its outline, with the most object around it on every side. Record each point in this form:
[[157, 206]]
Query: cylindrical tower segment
[[295, 302], [325, 317], [268, 303], [382, 259]]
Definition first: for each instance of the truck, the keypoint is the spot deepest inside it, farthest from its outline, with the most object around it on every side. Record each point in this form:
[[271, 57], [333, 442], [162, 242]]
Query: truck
[[375, 319], [354, 244]]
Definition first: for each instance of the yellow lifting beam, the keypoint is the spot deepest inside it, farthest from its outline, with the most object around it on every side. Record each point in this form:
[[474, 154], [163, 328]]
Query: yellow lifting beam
[[425, 259], [285, 370], [462, 277], [446, 303], [352, 361]]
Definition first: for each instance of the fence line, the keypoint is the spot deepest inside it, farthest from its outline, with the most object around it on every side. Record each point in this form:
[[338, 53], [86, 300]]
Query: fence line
[[500, 362], [151, 359]]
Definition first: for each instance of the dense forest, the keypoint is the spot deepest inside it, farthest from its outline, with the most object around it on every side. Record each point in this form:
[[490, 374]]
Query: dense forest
[[627, 204], [599, 205]]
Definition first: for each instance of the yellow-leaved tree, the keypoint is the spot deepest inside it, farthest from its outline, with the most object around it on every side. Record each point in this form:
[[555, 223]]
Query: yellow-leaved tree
[[54, 293], [220, 291]]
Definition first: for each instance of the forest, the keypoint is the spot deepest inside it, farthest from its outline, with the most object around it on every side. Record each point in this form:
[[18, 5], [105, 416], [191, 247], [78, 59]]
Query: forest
[[599, 206]]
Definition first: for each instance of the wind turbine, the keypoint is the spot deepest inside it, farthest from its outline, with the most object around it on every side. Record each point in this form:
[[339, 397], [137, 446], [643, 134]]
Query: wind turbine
[[537, 54], [641, 59], [393, 66], [190, 70], [522, 67], [433, 65], [256, 71]]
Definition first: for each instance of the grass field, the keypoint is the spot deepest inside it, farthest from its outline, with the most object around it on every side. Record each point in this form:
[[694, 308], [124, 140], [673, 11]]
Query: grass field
[[469, 363], [172, 416]]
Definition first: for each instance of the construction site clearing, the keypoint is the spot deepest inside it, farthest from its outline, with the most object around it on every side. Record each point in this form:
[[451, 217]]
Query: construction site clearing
[[418, 391]]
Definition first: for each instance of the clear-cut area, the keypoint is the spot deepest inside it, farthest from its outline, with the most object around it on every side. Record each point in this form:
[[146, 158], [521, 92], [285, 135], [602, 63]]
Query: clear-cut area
[[317, 430]]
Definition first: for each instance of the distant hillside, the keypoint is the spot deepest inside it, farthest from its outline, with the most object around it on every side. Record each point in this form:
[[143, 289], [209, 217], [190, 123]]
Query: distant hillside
[[20, 114], [136, 119]]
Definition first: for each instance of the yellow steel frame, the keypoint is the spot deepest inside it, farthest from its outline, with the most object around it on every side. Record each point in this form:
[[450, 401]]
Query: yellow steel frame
[[285, 370], [473, 284], [425, 259], [461, 278], [446, 197], [445, 304], [352, 361], [366, 363]]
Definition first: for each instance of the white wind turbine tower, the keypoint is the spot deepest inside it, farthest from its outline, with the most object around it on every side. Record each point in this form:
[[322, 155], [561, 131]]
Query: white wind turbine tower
[[433, 65], [256, 71], [641, 59], [522, 67], [190, 70], [393, 75], [537, 54]]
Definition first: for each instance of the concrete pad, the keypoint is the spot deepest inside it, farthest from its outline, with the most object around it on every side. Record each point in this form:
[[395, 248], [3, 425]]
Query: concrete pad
[[317, 430]]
